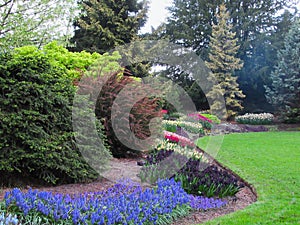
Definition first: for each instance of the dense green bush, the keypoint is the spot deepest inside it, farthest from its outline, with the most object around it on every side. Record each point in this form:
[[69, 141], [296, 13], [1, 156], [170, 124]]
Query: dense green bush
[[292, 115], [36, 138]]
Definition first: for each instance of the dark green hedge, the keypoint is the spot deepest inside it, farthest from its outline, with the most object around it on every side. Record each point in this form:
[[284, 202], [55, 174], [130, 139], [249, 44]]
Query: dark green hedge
[[36, 139]]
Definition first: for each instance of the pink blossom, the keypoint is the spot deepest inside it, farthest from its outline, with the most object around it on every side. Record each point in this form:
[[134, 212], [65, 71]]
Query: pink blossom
[[164, 111]]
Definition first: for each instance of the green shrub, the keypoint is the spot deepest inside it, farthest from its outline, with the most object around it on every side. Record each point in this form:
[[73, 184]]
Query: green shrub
[[36, 137], [176, 115], [255, 119], [292, 115]]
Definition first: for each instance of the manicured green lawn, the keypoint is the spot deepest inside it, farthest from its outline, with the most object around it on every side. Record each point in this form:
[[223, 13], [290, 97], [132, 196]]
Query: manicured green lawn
[[270, 161]]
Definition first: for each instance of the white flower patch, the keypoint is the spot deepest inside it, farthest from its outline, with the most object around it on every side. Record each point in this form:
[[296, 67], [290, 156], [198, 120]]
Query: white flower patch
[[251, 118]]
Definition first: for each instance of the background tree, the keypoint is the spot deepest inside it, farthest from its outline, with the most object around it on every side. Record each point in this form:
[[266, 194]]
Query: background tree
[[223, 62], [284, 94], [259, 53], [34, 22], [195, 18], [105, 24], [255, 24]]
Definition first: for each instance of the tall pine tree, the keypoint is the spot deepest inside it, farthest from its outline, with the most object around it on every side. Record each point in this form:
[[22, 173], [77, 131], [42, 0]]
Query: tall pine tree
[[284, 93], [105, 24], [223, 62]]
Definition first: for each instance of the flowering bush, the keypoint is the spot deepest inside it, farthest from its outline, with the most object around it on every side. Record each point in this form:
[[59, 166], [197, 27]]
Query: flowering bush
[[255, 119], [124, 203], [8, 219]]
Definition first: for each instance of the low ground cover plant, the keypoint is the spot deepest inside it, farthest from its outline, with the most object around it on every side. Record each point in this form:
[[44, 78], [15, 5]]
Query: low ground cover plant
[[125, 203], [255, 119]]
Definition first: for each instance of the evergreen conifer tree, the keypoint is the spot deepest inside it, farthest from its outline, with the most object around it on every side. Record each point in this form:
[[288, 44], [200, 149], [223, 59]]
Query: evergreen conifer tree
[[105, 24], [223, 62], [284, 94]]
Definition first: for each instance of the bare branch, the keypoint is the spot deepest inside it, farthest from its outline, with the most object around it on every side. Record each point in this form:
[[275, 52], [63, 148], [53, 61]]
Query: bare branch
[[5, 3]]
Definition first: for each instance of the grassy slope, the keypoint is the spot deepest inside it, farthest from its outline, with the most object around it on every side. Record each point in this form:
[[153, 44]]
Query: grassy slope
[[271, 162]]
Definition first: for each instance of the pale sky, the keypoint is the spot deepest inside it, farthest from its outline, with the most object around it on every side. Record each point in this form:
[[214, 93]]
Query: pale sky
[[157, 14]]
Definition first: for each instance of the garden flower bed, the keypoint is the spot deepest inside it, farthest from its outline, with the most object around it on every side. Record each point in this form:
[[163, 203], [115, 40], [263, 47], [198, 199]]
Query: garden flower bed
[[188, 191], [124, 203]]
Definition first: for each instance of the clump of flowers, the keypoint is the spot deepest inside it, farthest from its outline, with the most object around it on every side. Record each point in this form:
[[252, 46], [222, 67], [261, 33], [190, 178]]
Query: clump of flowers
[[198, 116], [171, 125], [8, 219], [164, 114], [187, 151], [204, 203], [183, 141], [206, 123], [196, 176], [125, 203], [255, 119], [164, 111], [211, 117]]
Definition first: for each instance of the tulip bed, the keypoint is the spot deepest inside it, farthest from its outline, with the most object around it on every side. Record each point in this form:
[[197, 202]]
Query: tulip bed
[[178, 157]]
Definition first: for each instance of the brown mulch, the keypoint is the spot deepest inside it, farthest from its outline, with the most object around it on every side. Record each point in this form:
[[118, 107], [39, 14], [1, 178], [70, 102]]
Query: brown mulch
[[128, 168]]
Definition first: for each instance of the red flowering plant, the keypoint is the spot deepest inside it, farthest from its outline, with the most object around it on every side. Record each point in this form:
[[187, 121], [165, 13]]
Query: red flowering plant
[[165, 114], [183, 141], [164, 111]]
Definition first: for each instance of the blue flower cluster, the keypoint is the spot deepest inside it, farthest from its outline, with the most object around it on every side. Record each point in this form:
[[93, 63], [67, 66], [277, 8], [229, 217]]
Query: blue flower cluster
[[8, 219], [204, 203], [125, 203]]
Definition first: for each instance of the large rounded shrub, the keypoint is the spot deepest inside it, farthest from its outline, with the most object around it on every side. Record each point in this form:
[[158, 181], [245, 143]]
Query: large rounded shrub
[[36, 138]]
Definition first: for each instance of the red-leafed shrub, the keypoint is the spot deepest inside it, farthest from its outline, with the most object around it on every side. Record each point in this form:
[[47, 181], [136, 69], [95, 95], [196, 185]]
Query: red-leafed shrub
[[137, 99]]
